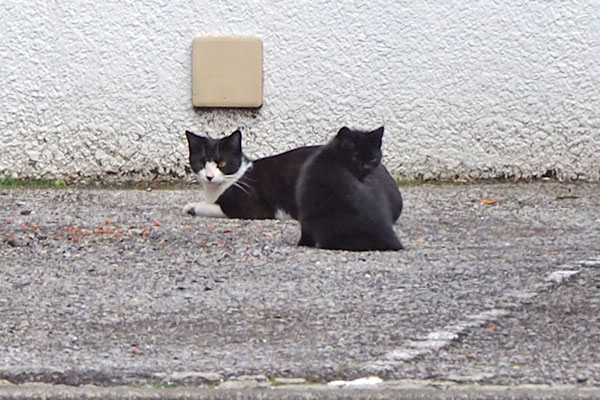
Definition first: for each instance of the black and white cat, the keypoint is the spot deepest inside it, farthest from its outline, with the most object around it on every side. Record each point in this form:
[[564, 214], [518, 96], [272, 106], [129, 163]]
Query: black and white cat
[[237, 187], [346, 198]]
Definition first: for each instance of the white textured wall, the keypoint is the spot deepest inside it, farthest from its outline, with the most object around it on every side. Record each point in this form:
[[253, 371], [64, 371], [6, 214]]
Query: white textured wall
[[465, 88]]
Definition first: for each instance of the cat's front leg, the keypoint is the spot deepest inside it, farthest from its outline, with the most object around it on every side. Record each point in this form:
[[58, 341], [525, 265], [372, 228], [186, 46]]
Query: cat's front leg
[[204, 209], [306, 239]]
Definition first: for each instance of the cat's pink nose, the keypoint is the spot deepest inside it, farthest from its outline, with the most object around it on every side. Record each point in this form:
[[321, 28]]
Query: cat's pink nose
[[209, 178]]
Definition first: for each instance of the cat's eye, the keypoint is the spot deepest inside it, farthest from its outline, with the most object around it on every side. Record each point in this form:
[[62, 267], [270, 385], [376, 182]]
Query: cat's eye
[[222, 164]]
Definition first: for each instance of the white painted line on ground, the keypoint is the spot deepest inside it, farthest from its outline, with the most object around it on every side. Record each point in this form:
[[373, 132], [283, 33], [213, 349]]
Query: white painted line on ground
[[358, 383], [593, 262], [434, 341], [437, 340], [561, 276], [442, 335], [403, 354], [521, 294]]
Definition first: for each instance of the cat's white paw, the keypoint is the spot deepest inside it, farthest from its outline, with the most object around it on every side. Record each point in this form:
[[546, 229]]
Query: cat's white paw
[[190, 208], [204, 209]]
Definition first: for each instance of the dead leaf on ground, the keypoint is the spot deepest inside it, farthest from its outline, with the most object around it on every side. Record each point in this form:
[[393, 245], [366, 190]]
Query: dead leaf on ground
[[104, 230], [489, 202], [421, 240]]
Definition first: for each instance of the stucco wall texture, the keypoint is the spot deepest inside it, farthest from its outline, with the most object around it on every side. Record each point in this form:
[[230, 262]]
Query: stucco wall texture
[[467, 89]]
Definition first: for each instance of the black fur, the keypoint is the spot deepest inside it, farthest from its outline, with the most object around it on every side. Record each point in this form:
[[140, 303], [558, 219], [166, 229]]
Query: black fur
[[346, 198], [272, 186]]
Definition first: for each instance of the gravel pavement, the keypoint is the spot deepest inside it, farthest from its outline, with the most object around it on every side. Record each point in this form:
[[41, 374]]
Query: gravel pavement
[[499, 285]]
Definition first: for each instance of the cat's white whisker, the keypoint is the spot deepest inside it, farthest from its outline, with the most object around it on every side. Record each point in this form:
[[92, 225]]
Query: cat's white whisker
[[242, 184], [241, 187]]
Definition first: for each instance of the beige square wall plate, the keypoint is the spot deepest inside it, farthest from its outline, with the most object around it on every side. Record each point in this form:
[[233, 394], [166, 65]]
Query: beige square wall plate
[[227, 72]]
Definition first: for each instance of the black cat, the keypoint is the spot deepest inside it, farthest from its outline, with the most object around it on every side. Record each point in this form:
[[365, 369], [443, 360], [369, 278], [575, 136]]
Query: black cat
[[346, 198], [237, 187]]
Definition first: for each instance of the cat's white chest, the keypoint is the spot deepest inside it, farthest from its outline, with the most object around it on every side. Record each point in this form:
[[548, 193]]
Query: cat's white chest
[[212, 192]]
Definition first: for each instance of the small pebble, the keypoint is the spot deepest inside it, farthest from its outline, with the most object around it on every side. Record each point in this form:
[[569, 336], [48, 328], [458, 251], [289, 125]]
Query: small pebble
[[14, 242], [582, 378]]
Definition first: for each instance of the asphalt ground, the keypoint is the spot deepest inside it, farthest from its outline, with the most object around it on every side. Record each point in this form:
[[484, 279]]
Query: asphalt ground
[[118, 288]]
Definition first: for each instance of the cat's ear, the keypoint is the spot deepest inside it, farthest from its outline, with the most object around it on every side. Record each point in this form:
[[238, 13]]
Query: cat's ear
[[344, 139], [236, 136], [378, 132], [376, 136], [190, 135], [343, 132], [234, 141], [194, 141]]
